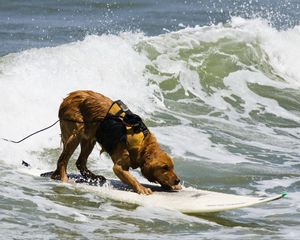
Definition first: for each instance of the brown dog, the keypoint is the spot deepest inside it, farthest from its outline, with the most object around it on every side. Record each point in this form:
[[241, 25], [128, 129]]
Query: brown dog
[[88, 117]]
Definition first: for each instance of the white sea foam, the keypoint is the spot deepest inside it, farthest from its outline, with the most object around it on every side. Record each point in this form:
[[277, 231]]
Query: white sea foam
[[35, 82], [281, 46], [237, 85], [186, 141]]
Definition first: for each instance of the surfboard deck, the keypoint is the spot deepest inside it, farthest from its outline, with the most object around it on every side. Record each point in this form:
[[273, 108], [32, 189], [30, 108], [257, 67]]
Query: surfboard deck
[[187, 200]]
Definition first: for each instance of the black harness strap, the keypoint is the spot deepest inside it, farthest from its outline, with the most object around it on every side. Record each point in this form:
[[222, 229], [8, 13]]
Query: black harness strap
[[117, 124]]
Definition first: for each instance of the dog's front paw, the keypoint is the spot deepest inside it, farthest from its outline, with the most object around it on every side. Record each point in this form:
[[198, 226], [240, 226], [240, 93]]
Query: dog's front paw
[[144, 190]]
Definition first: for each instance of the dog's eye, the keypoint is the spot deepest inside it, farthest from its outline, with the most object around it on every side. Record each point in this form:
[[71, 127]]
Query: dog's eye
[[166, 167]]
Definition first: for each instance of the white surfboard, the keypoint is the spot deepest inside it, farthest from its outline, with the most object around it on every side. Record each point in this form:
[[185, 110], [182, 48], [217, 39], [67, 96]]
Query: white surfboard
[[187, 200]]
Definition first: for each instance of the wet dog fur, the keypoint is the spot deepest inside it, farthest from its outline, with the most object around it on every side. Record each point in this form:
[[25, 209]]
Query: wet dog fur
[[80, 115]]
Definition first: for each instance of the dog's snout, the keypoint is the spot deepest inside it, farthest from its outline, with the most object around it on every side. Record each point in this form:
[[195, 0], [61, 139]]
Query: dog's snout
[[177, 181]]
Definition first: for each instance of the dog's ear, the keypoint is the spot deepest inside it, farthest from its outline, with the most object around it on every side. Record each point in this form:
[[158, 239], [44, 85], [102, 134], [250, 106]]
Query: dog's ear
[[148, 171]]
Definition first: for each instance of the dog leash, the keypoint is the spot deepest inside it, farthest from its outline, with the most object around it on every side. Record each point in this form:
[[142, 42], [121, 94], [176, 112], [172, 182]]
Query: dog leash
[[30, 135], [41, 130]]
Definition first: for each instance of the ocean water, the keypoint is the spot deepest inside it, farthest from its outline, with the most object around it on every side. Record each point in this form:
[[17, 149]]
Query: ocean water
[[216, 81]]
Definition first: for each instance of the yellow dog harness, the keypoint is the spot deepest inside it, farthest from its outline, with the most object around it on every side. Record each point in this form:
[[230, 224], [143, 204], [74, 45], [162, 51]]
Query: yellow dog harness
[[121, 125]]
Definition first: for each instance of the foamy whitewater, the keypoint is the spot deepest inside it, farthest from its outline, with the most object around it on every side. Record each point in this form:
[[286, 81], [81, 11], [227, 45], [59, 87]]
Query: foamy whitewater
[[222, 99]]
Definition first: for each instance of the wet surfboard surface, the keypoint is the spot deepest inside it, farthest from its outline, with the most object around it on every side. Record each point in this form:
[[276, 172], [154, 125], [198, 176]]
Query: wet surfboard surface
[[187, 200]]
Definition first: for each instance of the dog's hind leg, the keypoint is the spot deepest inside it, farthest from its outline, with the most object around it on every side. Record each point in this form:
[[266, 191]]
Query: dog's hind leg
[[69, 147], [87, 146]]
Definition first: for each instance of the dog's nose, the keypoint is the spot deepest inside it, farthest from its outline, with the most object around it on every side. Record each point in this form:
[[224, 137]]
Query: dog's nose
[[177, 181]]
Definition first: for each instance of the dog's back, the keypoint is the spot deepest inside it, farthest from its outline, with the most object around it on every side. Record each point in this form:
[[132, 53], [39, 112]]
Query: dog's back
[[84, 106]]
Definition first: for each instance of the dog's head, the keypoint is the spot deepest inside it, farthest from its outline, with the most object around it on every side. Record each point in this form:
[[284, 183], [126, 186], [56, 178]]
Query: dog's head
[[160, 169]]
